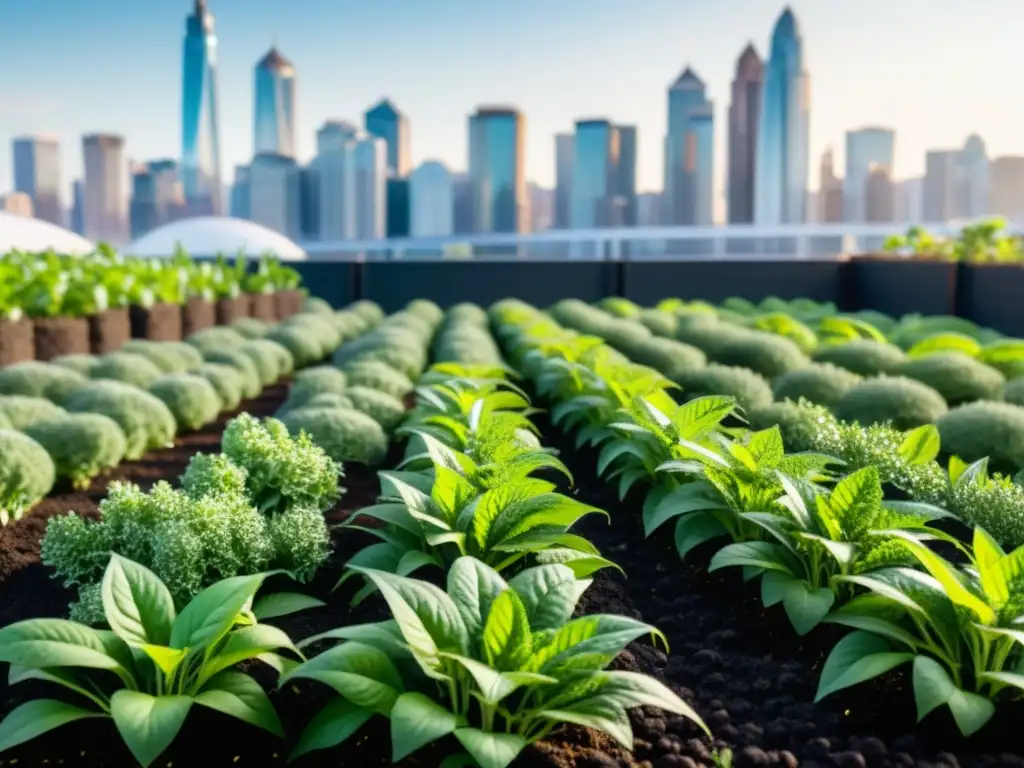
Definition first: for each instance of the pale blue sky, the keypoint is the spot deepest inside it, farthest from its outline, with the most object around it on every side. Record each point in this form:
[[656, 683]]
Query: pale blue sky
[[935, 70]]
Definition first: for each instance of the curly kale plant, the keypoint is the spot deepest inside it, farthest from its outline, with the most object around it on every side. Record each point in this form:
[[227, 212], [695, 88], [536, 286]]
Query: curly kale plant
[[386, 410], [497, 664], [82, 445], [191, 399], [345, 434], [282, 472], [35, 379], [27, 474], [22, 411], [147, 423], [129, 367]]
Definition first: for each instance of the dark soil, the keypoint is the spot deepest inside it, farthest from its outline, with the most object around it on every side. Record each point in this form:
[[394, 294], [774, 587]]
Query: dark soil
[[17, 341], [197, 314], [743, 668], [109, 330], [56, 336], [160, 322]]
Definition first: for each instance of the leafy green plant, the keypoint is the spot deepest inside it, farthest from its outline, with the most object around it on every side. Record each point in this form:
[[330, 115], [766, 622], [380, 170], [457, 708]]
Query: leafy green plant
[[497, 664], [152, 666], [957, 627], [27, 474]]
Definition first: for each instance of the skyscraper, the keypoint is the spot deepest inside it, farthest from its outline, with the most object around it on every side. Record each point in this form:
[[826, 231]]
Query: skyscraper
[[683, 190], [335, 134], [972, 180], [866, 148], [565, 144], [335, 173], [432, 200], [275, 194], [103, 196], [595, 175], [274, 123], [156, 196], [496, 170], [879, 194], [830, 191], [240, 193], [744, 114], [37, 174], [77, 214], [370, 157], [782, 165], [385, 121], [1007, 188], [200, 137], [625, 185], [940, 185]]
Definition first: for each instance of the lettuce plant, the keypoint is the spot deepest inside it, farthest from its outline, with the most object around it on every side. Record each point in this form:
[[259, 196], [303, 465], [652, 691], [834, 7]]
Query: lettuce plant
[[958, 628], [152, 666], [497, 664]]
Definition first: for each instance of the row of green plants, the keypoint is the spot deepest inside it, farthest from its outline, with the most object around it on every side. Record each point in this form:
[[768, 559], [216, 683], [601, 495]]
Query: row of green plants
[[76, 417], [820, 537], [50, 284], [984, 241], [970, 390], [493, 657]]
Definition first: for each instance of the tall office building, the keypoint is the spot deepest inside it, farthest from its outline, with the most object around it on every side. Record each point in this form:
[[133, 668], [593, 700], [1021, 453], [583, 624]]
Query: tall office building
[[37, 174], [200, 136], [910, 201], [940, 185], [370, 158], [77, 214], [334, 167], [462, 192], [649, 209], [274, 108], [396, 207], [542, 207], [783, 147], [385, 121], [275, 194], [744, 114], [497, 159], [625, 184], [239, 200], [431, 200], [687, 146], [595, 175], [1007, 188], [866, 149], [104, 196], [565, 144], [830, 191], [335, 134], [973, 180], [156, 196], [699, 162], [309, 203], [879, 195]]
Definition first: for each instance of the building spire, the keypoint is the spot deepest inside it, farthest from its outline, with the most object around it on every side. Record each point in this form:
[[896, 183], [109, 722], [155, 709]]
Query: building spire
[[200, 7]]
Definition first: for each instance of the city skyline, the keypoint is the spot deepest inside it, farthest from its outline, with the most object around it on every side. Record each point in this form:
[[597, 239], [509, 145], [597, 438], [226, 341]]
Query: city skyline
[[848, 92]]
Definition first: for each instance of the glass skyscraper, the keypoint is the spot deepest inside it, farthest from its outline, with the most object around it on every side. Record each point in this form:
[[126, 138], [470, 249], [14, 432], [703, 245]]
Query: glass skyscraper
[[200, 138], [865, 148], [37, 174], [274, 112], [385, 121], [782, 142], [595, 174], [497, 175], [684, 192]]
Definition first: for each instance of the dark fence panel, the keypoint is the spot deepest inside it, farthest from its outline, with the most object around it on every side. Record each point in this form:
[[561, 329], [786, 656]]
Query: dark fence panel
[[647, 282], [992, 295], [394, 284], [901, 287], [336, 282]]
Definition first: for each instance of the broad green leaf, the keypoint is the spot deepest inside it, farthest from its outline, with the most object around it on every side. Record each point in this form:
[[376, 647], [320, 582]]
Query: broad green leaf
[[688, 498], [583, 564], [166, 658], [137, 605], [148, 724], [632, 689], [495, 685], [921, 445], [364, 675], [758, 554], [613, 451], [392, 513], [695, 529], [213, 611], [331, 726], [773, 587], [506, 637], [766, 447], [384, 635], [549, 594], [491, 750], [602, 713], [699, 416], [946, 342], [473, 586], [244, 644], [806, 607], [414, 560], [451, 492], [933, 687], [238, 695], [35, 718], [417, 721], [957, 467], [601, 633], [279, 604], [46, 643], [858, 657]]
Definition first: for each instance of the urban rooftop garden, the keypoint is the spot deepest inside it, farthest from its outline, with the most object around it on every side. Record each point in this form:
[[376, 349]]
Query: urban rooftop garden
[[241, 526]]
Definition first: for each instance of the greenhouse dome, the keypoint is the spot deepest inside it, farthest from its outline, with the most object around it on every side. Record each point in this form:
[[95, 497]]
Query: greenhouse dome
[[23, 233], [208, 236]]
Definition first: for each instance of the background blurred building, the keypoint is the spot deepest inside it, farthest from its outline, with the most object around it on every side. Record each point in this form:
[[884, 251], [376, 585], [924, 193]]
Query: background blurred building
[[385, 121], [200, 129], [432, 200], [497, 175], [744, 114], [104, 198], [274, 193], [866, 149], [274, 129], [36, 162]]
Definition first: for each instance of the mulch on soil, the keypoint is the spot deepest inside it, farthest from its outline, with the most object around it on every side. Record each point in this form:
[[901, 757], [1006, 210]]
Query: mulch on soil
[[747, 673]]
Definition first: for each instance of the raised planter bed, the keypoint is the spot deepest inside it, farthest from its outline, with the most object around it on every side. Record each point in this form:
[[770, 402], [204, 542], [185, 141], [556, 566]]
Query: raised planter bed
[[263, 307], [229, 310], [900, 286], [17, 341], [161, 322], [288, 303], [991, 294], [57, 336], [196, 315], [109, 330]]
